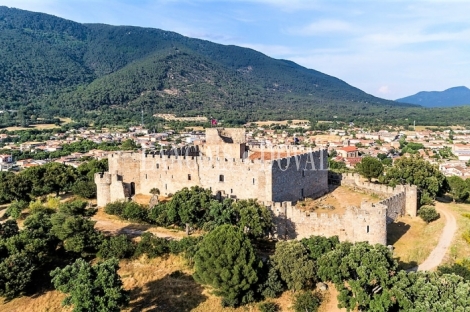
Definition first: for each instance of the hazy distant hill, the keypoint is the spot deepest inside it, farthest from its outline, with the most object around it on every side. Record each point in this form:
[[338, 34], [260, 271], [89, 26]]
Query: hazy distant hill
[[68, 68], [456, 96]]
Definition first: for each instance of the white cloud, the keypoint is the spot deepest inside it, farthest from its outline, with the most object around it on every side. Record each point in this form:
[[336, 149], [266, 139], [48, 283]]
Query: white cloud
[[321, 27], [384, 90]]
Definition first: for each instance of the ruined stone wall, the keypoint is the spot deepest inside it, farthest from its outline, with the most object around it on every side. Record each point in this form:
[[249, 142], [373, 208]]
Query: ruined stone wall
[[403, 198], [367, 223], [300, 176]]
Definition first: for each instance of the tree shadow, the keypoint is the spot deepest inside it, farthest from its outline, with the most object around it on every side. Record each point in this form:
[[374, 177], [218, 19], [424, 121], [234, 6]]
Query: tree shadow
[[411, 266], [395, 231], [445, 199], [133, 230], [174, 292]]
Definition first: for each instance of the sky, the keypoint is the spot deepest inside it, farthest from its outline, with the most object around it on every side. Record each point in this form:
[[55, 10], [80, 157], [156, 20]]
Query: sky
[[390, 49]]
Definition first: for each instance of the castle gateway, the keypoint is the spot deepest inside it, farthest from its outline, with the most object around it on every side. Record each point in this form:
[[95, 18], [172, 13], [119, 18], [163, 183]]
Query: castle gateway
[[224, 164]]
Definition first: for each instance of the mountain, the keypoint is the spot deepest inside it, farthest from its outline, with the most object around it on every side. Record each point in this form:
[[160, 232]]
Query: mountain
[[456, 96], [51, 66]]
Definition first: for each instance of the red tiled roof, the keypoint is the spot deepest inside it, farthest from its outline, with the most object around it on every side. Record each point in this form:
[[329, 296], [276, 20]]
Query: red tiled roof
[[349, 148]]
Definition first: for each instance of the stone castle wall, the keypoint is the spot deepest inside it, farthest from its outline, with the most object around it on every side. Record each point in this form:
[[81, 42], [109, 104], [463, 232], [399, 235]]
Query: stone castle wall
[[367, 223], [403, 198], [290, 178]]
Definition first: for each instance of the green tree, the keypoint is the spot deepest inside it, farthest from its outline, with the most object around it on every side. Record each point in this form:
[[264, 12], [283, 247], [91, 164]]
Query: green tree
[[461, 268], [419, 172], [96, 288], [128, 145], [366, 269], [428, 213], [272, 286], [16, 273], [317, 246], [291, 260], [370, 167], [253, 219], [58, 177], [458, 188], [225, 260], [8, 229], [188, 206], [306, 301], [85, 189], [429, 291], [76, 231]]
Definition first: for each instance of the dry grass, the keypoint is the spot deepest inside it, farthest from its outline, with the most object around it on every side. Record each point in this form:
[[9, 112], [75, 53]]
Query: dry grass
[[340, 198], [460, 248], [47, 302], [413, 239], [114, 225], [160, 284]]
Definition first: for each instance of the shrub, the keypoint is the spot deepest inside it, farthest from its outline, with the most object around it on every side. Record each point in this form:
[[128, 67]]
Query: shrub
[[115, 208], [268, 307], [184, 244], [306, 301], [15, 209], [428, 213], [159, 215], [119, 247], [466, 236], [151, 245], [134, 212]]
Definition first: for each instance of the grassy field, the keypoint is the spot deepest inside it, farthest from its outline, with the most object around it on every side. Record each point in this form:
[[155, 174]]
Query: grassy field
[[460, 248], [413, 239]]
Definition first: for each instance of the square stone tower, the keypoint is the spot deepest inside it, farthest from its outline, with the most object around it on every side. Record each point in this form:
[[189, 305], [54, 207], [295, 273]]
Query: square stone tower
[[224, 143]]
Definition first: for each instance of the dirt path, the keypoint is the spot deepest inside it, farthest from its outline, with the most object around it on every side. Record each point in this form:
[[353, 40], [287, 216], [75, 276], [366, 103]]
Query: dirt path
[[438, 253], [115, 226]]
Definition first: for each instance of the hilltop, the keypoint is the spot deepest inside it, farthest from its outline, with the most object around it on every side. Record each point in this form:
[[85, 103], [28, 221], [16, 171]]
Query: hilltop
[[456, 96]]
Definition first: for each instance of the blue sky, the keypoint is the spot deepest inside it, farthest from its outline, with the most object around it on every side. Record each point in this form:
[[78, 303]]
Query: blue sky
[[390, 49]]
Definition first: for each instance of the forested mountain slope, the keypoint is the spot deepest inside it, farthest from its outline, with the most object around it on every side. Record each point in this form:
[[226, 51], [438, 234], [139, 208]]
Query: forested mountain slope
[[51, 66]]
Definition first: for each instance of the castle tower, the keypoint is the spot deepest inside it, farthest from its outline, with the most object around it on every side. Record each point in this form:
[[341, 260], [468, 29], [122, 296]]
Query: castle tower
[[224, 143], [411, 203], [103, 188]]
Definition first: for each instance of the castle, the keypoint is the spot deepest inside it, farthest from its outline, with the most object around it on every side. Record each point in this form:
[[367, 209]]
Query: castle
[[277, 177]]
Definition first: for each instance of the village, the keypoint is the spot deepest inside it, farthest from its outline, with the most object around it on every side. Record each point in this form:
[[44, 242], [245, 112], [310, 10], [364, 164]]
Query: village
[[449, 149]]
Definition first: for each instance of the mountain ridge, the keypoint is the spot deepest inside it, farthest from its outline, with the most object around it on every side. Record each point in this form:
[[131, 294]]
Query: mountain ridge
[[455, 96], [53, 66]]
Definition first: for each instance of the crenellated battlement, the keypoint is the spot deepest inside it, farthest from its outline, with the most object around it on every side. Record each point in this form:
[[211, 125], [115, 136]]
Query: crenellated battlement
[[364, 223]]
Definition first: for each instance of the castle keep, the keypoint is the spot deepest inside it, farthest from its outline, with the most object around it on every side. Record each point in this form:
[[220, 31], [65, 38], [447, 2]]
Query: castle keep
[[224, 164]]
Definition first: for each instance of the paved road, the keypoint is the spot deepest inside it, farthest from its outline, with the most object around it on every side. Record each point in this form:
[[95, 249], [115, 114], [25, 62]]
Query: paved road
[[438, 253]]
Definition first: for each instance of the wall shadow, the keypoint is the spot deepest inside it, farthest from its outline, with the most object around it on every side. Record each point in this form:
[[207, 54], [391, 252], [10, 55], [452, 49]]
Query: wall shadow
[[395, 231], [174, 292]]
